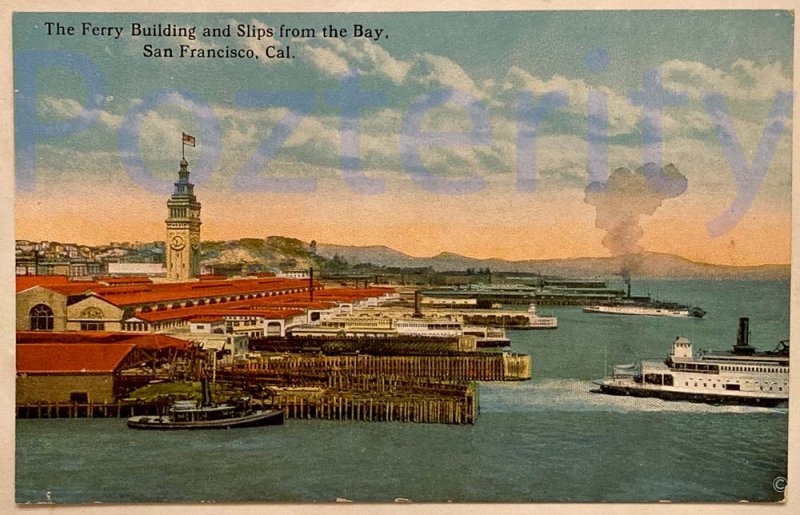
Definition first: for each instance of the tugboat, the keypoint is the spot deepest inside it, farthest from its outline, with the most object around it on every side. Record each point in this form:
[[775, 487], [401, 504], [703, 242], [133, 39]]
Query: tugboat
[[207, 415], [741, 376]]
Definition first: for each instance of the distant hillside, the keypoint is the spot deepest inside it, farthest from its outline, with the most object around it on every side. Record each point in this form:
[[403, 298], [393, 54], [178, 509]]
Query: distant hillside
[[272, 253], [649, 264]]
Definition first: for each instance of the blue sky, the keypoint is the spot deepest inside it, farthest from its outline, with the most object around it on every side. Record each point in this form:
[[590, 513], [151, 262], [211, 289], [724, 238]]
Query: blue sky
[[743, 56]]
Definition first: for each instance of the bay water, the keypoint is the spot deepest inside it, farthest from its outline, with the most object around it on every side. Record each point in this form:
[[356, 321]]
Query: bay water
[[549, 439]]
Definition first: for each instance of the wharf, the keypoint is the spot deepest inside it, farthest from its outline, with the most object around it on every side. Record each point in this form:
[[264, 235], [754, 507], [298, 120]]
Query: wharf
[[381, 399], [466, 366], [437, 388], [335, 345], [119, 409]]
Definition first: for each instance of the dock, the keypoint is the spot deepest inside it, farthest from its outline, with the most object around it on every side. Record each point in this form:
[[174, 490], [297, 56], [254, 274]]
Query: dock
[[438, 389]]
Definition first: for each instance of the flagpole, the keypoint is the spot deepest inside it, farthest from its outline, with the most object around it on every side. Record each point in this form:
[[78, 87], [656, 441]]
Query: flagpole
[[183, 147]]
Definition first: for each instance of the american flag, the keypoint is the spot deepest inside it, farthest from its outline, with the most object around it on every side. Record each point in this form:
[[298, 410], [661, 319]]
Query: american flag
[[188, 140]]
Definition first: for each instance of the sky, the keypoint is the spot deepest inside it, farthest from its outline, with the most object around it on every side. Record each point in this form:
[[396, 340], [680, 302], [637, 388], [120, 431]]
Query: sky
[[453, 116]]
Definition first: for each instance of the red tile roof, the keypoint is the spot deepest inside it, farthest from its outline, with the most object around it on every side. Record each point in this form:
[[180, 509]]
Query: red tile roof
[[72, 336], [169, 292], [144, 341], [69, 288], [126, 294], [240, 308], [89, 358], [280, 306], [211, 277], [124, 280], [29, 281]]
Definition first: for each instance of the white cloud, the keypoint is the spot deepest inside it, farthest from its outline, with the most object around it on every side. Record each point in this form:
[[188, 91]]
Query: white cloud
[[744, 79], [437, 72], [622, 115], [53, 108], [326, 60], [334, 57]]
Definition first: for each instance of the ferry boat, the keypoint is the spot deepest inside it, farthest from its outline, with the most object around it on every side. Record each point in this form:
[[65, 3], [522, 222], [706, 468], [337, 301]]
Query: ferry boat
[[647, 309], [429, 327], [645, 306], [741, 376], [536, 321], [487, 336], [508, 319], [206, 415]]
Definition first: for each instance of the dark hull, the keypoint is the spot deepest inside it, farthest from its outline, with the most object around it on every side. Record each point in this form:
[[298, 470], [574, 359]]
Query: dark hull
[[257, 419], [491, 344], [694, 397]]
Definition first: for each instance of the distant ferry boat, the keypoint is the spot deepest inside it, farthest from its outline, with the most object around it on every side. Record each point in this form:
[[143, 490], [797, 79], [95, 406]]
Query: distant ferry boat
[[649, 309], [429, 327], [742, 376], [539, 322], [510, 319], [645, 306], [487, 336]]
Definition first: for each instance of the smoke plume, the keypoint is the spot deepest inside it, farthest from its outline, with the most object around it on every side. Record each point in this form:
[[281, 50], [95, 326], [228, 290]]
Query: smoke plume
[[623, 199]]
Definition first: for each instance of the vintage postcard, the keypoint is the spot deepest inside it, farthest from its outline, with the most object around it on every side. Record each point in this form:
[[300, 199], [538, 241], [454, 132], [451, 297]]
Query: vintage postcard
[[496, 256]]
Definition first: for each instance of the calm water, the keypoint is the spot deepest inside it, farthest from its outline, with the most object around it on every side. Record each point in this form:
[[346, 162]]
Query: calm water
[[544, 440]]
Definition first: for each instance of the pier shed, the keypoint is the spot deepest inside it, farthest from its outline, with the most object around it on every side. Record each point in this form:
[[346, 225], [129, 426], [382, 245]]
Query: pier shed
[[72, 372]]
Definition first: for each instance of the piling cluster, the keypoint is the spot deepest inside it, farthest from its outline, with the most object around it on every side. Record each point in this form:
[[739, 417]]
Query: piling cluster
[[433, 389]]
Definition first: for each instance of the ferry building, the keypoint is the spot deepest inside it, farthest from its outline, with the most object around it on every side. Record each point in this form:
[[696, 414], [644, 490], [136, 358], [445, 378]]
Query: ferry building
[[248, 306]]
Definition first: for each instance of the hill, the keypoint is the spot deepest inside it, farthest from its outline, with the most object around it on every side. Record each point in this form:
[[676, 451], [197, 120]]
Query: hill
[[647, 265]]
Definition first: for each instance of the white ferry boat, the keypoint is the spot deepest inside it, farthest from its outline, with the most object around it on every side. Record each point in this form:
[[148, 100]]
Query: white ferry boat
[[487, 336], [536, 321], [741, 376], [508, 319], [430, 327], [656, 310]]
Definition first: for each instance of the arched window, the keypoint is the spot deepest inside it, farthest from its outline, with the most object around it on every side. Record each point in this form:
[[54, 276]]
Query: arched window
[[41, 318]]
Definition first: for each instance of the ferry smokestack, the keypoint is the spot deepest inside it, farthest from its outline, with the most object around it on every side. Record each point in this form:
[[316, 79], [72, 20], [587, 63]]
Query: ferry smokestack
[[311, 284], [629, 289], [743, 336], [417, 304]]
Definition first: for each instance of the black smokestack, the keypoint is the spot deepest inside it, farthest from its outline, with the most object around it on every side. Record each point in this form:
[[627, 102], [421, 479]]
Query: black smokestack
[[417, 305], [628, 282], [743, 335], [742, 346], [311, 284]]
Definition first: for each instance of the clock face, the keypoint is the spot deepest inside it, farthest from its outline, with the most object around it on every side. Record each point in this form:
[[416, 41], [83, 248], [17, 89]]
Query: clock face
[[177, 242]]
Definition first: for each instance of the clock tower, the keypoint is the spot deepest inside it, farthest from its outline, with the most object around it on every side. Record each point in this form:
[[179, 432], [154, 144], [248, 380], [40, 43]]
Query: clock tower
[[183, 230]]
